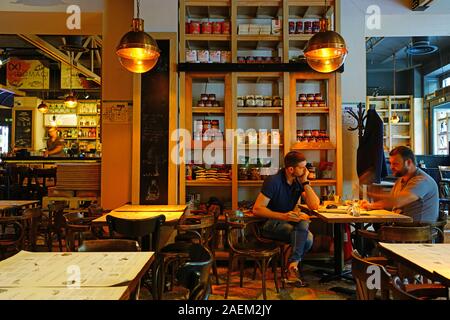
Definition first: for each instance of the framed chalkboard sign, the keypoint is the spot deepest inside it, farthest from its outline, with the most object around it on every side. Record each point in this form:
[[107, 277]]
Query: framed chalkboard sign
[[154, 160], [23, 129]]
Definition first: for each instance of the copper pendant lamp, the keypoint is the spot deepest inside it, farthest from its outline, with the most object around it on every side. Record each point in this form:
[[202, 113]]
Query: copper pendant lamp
[[326, 50], [43, 107], [138, 52]]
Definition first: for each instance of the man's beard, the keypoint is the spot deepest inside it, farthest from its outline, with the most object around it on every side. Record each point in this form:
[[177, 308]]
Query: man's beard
[[401, 173]]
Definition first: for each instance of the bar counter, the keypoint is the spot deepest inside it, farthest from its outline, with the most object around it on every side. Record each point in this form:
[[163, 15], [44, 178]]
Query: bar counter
[[49, 160]]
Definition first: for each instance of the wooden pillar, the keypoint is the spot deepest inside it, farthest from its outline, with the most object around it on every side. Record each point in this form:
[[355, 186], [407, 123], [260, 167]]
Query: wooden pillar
[[117, 85]]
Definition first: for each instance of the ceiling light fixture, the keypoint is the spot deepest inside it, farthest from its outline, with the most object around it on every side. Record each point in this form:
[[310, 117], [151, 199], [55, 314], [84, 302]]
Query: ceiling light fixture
[[326, 50], [43, 107], [138, 52], [71, 101]]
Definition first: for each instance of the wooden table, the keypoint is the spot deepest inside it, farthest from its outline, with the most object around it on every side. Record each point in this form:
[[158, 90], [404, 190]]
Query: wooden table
[[339, 219], [171, 212], [430, 260], [17, 204], [97, 275]]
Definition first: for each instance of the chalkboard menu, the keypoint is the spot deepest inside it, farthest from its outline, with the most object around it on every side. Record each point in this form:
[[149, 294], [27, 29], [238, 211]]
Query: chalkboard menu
[[23, 125], [155, 130]]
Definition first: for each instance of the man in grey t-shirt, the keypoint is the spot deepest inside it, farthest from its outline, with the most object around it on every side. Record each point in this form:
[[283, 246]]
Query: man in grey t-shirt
[[414, 194]]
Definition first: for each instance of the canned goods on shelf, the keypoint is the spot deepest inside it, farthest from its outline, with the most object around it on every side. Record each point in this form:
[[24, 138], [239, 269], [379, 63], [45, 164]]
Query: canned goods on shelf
[[217, 27], [206, 28], [299, 27]]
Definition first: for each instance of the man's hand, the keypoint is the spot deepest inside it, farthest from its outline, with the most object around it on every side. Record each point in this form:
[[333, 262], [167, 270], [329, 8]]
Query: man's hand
[[296, 216], [304, 177]]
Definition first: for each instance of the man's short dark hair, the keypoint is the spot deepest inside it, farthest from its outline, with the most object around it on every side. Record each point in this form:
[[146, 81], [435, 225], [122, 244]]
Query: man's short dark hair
[[293, 158], [405, 152]]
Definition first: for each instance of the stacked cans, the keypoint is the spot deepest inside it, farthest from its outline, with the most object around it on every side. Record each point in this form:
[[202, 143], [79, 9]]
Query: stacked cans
[[304, 27], [207, 27]]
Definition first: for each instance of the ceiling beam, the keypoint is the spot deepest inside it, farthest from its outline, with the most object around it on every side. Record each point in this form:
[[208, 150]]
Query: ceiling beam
[[372, 42], [57, 55], [420, 5], [85, 44]]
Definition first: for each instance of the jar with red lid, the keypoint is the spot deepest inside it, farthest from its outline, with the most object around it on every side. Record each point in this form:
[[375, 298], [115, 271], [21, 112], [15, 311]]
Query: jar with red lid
[[299, 104], [299, 27], [307, 133], [322, 133], [314, 104], [291, 27], [208, 104], [212, 97], [216, 104], [316, 26], [226, 27], [307, 27], [250, 59], [206, 27], [194, 27], [326, 139], [217, 27], [204, 96], [206, 125], [322, 104], [214, 124], [201, 104], [310, 97], [306, 104], [318, 97], [315, 133], [302, 97]]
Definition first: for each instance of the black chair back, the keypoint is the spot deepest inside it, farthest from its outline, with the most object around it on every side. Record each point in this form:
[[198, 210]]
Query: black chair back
[[146, 231], [195, 273]]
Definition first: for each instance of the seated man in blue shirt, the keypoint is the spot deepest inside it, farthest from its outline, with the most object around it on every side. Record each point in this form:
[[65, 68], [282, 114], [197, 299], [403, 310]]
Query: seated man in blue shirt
[[278, 201]]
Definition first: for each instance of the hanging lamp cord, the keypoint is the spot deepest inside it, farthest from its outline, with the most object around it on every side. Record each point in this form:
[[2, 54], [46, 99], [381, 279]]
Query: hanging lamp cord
[[138, 3]]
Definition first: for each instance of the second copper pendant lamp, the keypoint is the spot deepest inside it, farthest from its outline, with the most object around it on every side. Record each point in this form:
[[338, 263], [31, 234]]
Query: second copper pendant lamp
[[326, 50]]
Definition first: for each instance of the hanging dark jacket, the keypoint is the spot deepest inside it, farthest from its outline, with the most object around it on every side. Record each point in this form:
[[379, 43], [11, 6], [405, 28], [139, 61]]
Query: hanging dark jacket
[[370, 162]]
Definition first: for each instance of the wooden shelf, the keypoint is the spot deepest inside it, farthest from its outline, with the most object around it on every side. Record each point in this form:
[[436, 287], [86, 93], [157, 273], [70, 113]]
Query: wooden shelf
[[259, 37], [312, 110], [207, 110], [259, 3], [262, 110], [88, 114], [208, 37], [311, 146], [323, 182], [382, 110], [250, 183], [400, 110], [400, 124], [400, 137], [257, 146], [207, 183]]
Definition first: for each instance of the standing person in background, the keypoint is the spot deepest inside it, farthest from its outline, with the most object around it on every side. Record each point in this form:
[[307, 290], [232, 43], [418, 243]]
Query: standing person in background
[[278, 201], [55, 144]]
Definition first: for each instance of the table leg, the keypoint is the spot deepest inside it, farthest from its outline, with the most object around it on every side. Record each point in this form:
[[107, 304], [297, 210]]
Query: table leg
[[338, 257]]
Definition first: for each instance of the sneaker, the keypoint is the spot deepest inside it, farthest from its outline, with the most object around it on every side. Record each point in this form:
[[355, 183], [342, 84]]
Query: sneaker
[[294, 278]]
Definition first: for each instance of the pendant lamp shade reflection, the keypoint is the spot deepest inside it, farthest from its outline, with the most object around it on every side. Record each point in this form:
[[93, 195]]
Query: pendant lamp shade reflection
[[326, 50], [138, 52]]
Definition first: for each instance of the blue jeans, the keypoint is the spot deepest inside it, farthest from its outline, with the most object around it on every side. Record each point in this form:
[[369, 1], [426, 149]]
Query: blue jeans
[[296, 233]]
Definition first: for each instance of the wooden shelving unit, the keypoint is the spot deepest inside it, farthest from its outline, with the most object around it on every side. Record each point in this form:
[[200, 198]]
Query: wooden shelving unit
[[86, 110], [395, 134], [263, 79]]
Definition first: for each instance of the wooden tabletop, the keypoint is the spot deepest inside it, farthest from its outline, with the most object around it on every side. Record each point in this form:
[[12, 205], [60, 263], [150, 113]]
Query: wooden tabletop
[[428, 258], [10, 204], [371, 216], [33, 271], [152, 208], [172, 213]]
